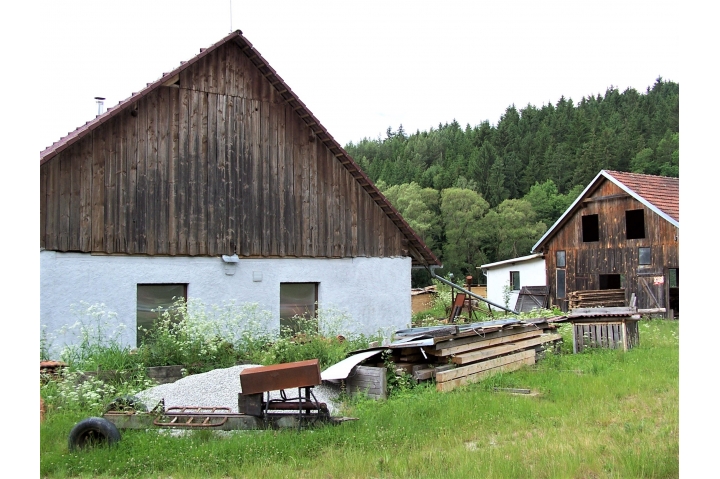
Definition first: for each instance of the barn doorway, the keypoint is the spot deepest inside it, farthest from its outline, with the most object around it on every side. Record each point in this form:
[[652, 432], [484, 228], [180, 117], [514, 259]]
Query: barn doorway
[[674, 291], [611, 281]]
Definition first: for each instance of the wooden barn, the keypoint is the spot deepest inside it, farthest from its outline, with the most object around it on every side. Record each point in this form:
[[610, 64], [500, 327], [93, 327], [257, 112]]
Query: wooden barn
[[216, 182], [621, 233]]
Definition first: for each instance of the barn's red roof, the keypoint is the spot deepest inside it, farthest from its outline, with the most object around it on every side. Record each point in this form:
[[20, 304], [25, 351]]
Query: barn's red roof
[[661, 191], [426, 256]]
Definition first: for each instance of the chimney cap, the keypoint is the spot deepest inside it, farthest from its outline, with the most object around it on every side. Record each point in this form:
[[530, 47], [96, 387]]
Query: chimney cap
[[99, 98]]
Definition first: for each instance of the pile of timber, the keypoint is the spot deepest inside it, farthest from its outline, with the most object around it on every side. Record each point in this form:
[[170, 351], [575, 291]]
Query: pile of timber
[[597, 298], [457, 355]]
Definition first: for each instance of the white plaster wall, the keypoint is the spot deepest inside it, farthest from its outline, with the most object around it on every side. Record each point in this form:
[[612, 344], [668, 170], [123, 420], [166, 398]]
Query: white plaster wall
[[532, 273], [375, 292]]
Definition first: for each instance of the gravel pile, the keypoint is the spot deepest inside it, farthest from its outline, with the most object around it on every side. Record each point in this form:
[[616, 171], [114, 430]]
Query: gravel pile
[[220, 388]]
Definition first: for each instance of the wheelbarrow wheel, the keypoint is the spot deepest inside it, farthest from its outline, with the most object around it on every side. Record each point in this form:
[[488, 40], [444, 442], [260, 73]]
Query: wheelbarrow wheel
[[126, 403], [91, 432]]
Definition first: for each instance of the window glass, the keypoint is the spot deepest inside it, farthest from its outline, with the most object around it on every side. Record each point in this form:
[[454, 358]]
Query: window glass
[[297, 301], [674, 278], [515, 280], [560, 277], [560, 259], [151, 300], [644, 256]]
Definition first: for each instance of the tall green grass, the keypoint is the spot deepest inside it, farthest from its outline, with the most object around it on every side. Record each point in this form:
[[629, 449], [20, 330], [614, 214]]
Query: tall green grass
[[599, 414]]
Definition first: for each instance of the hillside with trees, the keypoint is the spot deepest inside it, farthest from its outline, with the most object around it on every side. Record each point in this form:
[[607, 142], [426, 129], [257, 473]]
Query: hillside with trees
[[487, 193]]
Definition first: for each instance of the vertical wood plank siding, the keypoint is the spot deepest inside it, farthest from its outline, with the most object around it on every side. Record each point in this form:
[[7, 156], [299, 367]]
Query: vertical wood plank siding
[[613, 253], [216, 164]]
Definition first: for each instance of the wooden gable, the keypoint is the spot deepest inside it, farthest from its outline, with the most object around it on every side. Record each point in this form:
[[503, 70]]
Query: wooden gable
[[217, 157]]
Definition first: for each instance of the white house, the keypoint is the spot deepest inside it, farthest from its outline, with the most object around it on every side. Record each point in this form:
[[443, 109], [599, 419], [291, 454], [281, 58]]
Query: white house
[[505, 278], [215, 182]]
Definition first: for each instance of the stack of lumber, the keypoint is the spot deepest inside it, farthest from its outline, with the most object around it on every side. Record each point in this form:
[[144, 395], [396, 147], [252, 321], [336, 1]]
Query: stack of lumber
[[598, 298], [458, 355]]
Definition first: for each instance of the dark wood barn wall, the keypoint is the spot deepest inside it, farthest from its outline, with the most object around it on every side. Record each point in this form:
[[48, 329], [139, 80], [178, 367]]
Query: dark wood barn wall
[[613, 253], [215, 164]]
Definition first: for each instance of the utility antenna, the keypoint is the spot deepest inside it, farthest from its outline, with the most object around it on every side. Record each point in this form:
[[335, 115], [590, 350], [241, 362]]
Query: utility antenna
[[230, 2]]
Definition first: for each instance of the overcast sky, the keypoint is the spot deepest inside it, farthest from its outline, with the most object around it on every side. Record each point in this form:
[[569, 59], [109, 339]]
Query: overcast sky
[[364, 66]]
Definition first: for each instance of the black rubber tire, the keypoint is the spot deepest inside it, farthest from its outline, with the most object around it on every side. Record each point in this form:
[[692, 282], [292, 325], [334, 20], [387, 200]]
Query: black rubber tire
[[91, 432], [126, 403]]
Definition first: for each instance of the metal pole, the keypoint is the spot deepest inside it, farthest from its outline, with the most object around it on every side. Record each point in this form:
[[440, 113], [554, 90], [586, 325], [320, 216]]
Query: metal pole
[[453, 285]]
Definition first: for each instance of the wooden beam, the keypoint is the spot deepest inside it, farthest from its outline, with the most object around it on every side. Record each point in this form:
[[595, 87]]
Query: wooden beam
[[480, 354], [484, 343], [605, 198]]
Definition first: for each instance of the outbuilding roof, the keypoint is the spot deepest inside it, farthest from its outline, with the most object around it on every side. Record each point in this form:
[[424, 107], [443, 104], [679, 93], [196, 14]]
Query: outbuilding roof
[[426, 257], [512, 261], [660, 194]]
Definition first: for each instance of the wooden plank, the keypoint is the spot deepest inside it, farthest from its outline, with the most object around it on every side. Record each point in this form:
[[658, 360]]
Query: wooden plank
[[482, 366], [76, 187], [109, 200], [255, 204], [194, 145], [245, 228], [273, 238], [121, 241], [484, 332], [183, 172], [85, 213], [215, 144], [151, 209], [468, 344], [306, 219], [140, 230], [507, 365], [164, 155], [43, 205], [202, 202], [297, 190], [264, 177], [480, 354], [353, 218], [172, 169], [63, 224], [282, 181], [233, 198], [98, 191], [313, 212]]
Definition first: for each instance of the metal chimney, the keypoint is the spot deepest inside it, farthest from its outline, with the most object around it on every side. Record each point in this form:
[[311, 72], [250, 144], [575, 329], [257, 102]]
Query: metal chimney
[[99, 100]]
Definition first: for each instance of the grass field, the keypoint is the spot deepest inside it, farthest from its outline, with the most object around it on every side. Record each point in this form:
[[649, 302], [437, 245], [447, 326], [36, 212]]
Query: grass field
[[599, 414]]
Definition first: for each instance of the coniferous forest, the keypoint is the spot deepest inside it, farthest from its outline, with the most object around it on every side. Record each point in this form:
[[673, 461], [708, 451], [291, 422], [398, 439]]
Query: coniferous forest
[[485, 193]]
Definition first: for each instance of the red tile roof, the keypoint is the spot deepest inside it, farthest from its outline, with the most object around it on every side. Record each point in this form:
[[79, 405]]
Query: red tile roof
[[662, 191]]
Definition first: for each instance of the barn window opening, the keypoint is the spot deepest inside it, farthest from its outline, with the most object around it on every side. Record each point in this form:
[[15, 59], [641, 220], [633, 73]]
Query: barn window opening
[[644, 256], [560, 259], [515, 280], [152, 301], [590, 228], [673, 278], [298, 307], [634, 224], [560, 283], [610, 281]]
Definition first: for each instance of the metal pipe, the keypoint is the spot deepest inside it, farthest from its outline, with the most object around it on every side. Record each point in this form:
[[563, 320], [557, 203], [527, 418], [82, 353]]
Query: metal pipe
[[453, 285]]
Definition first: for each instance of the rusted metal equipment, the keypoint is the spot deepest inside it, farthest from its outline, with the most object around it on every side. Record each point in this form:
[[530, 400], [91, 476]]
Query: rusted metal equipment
[[256, 409], [280, 376]]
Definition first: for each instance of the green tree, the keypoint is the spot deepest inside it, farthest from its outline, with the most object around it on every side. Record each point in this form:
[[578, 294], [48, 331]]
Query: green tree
[[461, 211], [517, 229]]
